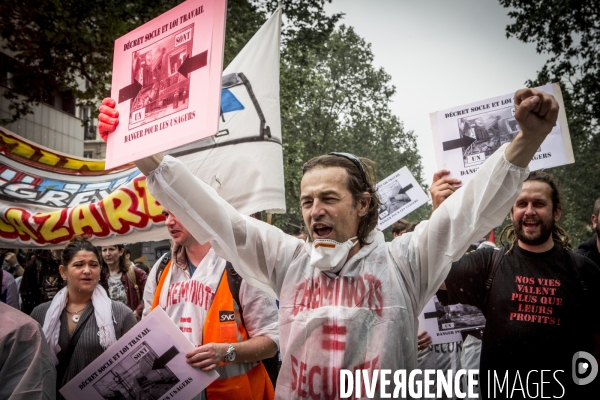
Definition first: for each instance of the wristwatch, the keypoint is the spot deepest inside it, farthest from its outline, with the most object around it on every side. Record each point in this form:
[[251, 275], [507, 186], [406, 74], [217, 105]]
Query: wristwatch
[[230, 354]]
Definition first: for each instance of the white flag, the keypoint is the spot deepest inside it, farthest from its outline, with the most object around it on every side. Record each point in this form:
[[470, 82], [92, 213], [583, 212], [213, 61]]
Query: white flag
[[244, 161]]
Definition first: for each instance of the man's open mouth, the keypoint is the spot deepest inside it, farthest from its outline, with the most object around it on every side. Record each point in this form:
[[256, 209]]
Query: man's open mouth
[[321, 230], [531, 224]]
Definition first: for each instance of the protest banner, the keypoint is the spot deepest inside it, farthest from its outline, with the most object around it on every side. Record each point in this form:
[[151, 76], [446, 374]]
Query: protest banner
[[148, 362], [47, 197], [444, 323], [465, 136], [400, 194], [167, 81]]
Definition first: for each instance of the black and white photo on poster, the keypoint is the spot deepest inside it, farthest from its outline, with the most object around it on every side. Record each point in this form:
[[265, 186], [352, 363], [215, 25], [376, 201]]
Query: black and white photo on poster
[[486, 131], [141, 375], [444, 324], [393, 198], [458, 317], [400, 194], [467, 135], [160, 70]]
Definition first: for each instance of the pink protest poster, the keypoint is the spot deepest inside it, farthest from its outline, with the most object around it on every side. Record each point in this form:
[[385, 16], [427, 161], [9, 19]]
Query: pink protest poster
[[167, 81]]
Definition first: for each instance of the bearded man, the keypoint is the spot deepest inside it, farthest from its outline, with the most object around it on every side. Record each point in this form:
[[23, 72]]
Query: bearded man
[[540, 300]]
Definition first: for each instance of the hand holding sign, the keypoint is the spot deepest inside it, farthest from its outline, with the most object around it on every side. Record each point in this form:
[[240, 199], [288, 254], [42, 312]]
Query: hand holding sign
[[208, 356], [424, 340], [108, 121], [442, 187], [108, 118], [147, 362]]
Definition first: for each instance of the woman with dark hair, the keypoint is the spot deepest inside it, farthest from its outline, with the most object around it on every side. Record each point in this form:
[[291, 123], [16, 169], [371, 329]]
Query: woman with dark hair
[[80, 322], [126, 282]]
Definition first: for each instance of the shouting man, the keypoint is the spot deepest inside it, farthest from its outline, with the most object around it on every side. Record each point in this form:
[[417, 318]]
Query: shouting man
[[348, 299]]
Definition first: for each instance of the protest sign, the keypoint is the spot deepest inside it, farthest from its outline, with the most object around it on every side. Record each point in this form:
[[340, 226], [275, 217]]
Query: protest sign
[[400, 194], [444, 323], [167, 81], [148, 362], [465, 136]]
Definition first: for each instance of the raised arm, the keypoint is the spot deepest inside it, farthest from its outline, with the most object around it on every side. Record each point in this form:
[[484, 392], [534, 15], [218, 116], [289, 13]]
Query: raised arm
[[260, 252], [480, 205]]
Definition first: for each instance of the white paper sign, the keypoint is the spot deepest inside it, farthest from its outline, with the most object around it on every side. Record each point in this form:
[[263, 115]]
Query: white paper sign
[[465, 136], [444, 323], [400, 194], [148, 362]]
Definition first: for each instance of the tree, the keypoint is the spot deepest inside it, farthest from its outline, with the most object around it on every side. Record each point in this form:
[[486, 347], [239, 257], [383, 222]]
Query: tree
[[335, 100], [569, 32]]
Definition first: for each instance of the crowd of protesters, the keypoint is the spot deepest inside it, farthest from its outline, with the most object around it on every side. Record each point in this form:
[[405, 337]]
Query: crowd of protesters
[[86, 298]]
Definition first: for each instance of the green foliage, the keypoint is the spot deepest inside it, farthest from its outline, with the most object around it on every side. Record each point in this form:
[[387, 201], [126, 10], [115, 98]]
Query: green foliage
[[243, 20], [579, 182], [569, 31]]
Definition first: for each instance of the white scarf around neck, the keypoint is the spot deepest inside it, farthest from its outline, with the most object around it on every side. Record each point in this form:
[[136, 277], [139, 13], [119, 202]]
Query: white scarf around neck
[[102, 311]]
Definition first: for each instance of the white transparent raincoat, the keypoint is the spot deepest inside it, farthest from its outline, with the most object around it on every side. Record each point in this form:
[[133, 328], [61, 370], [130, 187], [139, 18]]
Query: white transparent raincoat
[[26, 368], [365, 317]]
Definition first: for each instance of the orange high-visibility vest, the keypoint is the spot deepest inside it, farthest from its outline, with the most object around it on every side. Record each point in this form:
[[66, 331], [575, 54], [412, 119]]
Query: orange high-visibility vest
[[224, 324]]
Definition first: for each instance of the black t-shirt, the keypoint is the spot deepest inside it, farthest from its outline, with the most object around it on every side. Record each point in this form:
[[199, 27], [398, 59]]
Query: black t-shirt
[[538, 315]]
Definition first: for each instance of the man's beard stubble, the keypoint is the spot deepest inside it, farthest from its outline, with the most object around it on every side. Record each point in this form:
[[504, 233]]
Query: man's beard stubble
[[541, 238]]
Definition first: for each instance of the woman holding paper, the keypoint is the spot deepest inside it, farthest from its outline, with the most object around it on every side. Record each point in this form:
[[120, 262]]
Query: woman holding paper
[[81, 322]]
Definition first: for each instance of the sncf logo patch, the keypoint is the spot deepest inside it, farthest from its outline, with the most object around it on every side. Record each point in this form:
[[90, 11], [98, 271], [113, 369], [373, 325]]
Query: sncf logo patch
[[225, 316]]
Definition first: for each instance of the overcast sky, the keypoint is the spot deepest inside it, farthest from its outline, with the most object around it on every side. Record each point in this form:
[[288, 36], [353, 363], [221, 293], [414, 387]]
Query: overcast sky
[[440, 54]]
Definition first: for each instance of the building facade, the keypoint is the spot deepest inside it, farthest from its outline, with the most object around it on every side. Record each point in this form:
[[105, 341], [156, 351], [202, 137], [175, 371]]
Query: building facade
[[54, 123]]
